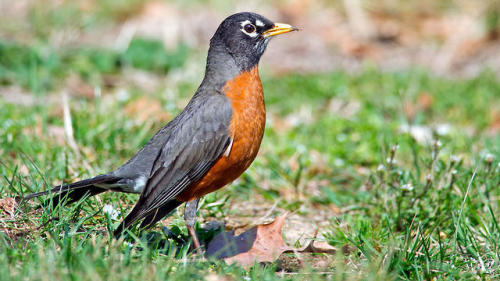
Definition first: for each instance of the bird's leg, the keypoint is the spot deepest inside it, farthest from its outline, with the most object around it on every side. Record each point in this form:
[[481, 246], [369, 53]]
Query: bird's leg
[[190, 218]]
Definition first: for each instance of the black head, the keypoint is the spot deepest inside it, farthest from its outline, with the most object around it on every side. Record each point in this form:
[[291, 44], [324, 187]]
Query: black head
[[245, 36]]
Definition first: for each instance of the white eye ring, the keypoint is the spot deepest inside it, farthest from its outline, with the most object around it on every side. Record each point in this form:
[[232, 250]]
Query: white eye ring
[[248, 28]]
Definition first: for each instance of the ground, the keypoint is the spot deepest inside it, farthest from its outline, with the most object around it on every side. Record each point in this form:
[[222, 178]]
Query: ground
[[399, 170]]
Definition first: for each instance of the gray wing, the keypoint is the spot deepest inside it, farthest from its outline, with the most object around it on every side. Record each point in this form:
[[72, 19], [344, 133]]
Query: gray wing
[[192, 146]]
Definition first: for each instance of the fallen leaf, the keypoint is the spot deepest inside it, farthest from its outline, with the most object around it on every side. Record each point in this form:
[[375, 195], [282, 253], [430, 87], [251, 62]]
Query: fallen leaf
[[8, 205], [262, 243], [316, 246]]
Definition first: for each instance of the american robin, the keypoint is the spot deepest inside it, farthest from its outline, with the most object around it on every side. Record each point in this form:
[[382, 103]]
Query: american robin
[[208, 145]]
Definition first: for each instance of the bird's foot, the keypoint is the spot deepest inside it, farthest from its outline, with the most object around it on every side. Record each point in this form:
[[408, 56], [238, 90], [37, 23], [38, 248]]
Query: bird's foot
[[196, 241]]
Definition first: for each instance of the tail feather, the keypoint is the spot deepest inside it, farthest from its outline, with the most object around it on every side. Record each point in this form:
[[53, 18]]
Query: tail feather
[[74, 191], [73, 195]]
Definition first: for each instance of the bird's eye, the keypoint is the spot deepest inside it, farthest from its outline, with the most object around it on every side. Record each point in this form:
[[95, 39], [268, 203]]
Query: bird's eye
[[249, 28]]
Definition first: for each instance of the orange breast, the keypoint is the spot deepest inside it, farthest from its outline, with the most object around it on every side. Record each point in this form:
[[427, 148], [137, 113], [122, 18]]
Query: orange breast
[[246, 129]]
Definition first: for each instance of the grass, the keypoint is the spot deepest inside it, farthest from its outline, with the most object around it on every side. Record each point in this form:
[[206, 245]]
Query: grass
[[39, 68], [404, 204]]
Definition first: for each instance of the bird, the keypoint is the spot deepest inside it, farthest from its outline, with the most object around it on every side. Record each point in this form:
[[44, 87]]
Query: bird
[[208, 145]]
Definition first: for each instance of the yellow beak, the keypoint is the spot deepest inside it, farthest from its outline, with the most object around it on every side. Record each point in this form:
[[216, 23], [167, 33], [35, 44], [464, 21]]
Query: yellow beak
[[279, 28]]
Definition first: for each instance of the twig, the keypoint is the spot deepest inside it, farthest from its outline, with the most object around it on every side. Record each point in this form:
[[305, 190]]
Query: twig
[[68, 131]]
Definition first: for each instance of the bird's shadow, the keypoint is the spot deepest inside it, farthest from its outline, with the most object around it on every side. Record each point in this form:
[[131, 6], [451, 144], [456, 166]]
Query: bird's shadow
[[174, 240]]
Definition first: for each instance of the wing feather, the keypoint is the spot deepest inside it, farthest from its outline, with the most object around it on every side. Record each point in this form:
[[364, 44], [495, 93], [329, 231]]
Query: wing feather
[[198, 140]]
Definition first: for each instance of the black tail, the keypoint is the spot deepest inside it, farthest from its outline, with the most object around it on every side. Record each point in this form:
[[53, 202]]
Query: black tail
[[75, 191], [149, 220]]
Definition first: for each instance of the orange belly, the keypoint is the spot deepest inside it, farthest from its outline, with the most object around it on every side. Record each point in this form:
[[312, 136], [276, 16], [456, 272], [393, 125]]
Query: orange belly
[[246, 129]]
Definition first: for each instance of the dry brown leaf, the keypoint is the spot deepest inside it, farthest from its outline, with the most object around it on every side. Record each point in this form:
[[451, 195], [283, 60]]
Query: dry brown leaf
[[321, 247], [315, 246], [8, 205], [262, 243]]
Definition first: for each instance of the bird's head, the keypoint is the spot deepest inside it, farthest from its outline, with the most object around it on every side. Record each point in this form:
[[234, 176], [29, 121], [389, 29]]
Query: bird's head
[[245, 36]]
